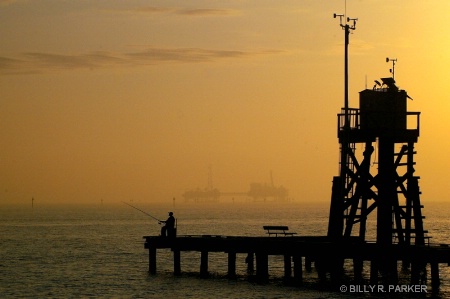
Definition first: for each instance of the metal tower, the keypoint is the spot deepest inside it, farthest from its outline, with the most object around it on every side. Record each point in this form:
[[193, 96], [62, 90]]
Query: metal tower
[[381, 178], [391, 189]]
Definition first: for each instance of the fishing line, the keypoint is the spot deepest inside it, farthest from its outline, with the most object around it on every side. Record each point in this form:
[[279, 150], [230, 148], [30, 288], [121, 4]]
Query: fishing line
[[142, 211]]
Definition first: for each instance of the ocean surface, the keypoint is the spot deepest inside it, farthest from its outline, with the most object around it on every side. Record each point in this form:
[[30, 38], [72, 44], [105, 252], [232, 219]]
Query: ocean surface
[[97, 251]]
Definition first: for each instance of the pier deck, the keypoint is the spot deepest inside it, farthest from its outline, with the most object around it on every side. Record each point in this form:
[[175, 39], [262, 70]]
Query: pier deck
[[328, 256]]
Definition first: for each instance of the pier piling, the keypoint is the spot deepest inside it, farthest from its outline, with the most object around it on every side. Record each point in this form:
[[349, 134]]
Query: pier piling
[[152, 260], [287, 268], [311, 248], [262, 267], [204, 264], [435, 280], [250, 263], [298, 271], [231, 265], [176, 262]]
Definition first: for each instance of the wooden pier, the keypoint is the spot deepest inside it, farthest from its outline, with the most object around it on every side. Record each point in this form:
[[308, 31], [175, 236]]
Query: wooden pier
[[328, 256]]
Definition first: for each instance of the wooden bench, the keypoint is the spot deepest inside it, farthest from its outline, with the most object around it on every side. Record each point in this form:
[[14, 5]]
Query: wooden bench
[[278, 230]]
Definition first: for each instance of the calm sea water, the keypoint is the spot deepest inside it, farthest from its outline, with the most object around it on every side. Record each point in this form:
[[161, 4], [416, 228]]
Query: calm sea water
[[97, 251]]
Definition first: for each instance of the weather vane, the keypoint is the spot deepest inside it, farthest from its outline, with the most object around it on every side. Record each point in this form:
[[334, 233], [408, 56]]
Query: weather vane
[[344, 24], [392, 70]]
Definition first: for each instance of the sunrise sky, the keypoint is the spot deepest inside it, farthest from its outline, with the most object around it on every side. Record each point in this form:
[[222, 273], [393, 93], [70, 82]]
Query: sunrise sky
[[135, 100]]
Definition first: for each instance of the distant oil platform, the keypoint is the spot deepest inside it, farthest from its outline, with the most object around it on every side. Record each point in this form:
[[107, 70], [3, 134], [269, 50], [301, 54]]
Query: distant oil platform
[[257, 192]]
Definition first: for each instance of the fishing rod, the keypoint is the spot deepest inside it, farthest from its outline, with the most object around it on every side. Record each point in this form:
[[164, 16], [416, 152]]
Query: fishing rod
[[142, 211]]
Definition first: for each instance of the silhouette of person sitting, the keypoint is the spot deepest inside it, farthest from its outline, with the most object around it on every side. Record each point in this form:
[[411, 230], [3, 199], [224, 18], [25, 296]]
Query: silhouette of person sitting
[[169, 226]]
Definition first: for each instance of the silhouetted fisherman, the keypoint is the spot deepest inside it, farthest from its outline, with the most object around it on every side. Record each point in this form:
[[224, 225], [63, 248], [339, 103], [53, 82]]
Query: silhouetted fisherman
[[169, 227]]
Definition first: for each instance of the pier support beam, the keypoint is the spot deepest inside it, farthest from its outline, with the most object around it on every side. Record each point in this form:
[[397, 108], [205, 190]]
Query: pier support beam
[[287, 268], [435, 281], [358, 269], [415, 273], [336, 265], [298, 270], [262, 267], [152, 260], [250, 263], [308, 263], [176, 262], [393, 273], [204, 264], [374, 272], [231, 265], [418, 270], [321, 268]]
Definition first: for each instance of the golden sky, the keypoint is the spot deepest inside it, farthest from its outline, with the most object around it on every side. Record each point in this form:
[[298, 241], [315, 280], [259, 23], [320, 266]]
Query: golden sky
[[135, 100]]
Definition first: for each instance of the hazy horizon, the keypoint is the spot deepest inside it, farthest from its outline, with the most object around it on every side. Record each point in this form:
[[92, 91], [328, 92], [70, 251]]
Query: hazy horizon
[[136, 100]]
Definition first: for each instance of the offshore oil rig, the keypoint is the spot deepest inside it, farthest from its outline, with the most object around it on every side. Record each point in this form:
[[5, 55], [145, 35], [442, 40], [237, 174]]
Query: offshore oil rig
[[257, 191], [387, 132]]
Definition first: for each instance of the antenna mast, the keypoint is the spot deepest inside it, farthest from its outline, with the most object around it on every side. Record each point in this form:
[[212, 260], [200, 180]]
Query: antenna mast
[[344, 23]]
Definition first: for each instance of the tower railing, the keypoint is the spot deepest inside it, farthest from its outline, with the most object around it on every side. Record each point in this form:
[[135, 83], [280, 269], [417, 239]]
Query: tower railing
[[354, 120]]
